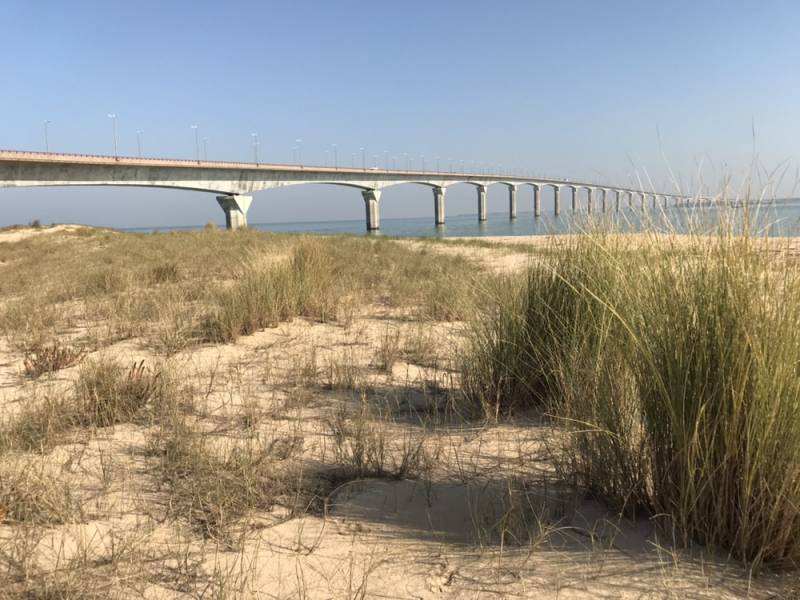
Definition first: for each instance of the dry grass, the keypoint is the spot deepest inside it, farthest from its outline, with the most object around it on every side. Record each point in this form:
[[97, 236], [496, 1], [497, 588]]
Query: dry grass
[[214, 487], [294, 366]]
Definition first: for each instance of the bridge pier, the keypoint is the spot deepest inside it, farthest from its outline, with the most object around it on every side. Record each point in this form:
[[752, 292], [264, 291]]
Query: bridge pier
[[537, 209], [556, 200], [589, 200], [235, 208], [603, 193], [574, 198], [371, 200], [481, 203], [438, 205], [512, 202]]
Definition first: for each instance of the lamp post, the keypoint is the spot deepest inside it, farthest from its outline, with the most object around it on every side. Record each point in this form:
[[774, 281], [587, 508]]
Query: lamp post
[[386, 159], [363, 160], [205, 148], [113, 118], [255, 146], [196, 143], [46, 140], [139, 133]]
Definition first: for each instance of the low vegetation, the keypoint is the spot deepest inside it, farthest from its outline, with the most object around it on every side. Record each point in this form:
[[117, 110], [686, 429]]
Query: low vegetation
[[672, 364], [180, 407]]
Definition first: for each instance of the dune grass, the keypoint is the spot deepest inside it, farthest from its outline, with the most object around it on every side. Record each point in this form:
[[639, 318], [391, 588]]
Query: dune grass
[[183, 288], [673, 364]]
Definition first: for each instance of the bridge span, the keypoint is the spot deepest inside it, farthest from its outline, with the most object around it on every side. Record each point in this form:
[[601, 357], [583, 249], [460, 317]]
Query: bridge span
[[235, 182]]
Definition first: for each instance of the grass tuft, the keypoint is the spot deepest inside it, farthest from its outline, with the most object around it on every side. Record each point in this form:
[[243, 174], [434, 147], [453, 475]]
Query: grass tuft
[[674, 367]]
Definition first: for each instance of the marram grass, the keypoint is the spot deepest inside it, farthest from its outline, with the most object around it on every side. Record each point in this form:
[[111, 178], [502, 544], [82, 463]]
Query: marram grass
[[674, 363]]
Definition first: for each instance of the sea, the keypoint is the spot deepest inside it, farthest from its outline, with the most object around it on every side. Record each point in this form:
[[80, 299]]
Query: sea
[[773, 218]]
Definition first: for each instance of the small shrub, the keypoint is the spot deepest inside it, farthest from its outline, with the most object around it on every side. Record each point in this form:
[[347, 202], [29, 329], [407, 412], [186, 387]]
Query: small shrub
[[49, 358]]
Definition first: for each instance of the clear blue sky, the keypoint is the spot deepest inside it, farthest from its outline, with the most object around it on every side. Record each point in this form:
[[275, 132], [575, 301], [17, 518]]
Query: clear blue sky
[[563, 88]]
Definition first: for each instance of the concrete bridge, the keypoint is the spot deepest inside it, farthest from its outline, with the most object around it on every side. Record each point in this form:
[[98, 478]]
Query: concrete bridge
[[235, 182]]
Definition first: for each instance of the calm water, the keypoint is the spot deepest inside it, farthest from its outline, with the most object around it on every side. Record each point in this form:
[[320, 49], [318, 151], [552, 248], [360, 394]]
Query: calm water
[[777, 218]]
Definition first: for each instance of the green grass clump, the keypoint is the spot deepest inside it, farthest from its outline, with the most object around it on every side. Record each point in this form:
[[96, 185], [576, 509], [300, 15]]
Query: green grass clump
[[674, 366]]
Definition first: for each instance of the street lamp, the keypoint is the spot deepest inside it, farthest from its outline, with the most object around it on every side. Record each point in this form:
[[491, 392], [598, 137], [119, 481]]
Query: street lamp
[[386, 159], [196, 143], [205, 148], [113, 118], [255, 146], [46, 140], [139, 133], [363, 160]]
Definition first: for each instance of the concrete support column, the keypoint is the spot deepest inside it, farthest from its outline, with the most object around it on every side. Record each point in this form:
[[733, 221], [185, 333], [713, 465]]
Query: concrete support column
[[642, 197], [512, 202], [603, 193], [630, 199], [438, 205], [589, 200], [371, 200], [481, 203], [655, 201], [556, 199], [537, 209], [574, 198], [235, 208], [618, 200]]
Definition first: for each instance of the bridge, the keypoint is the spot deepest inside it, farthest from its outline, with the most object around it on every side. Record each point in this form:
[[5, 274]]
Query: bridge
[[235, 182]]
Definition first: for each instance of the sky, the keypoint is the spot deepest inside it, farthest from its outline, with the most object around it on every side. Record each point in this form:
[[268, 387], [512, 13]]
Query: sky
[[672, 93]]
